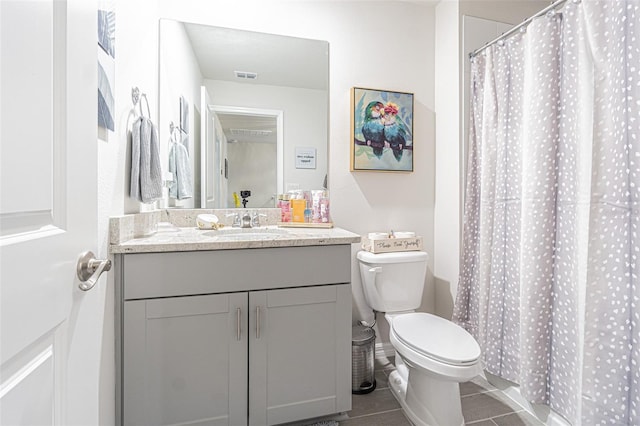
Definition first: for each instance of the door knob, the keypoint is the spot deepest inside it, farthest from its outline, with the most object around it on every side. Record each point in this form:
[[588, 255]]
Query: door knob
[[89, 270]]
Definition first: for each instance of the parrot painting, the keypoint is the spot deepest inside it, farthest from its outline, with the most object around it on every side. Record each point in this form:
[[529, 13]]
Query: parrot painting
[[373, 128], [394, 132]]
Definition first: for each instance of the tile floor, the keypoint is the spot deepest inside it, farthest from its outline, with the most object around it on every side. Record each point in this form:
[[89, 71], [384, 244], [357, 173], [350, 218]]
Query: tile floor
[[482, 405]]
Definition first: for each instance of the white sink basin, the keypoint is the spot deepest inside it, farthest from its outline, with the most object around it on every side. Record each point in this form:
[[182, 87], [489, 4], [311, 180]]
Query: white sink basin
[[248, 234]]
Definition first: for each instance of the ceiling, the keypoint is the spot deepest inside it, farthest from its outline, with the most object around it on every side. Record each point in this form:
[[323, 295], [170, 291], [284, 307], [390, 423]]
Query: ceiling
[[248, 128], [278, 60]]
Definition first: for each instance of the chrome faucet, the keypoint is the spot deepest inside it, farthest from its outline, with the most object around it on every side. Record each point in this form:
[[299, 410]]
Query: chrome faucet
[[246, 220]]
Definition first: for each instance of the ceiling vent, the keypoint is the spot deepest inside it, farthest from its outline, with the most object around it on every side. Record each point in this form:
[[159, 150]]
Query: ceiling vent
[[247, 75], [247, 132]]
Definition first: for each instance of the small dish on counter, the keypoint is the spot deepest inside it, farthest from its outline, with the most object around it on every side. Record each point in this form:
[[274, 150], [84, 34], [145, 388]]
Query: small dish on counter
[[208, 221]]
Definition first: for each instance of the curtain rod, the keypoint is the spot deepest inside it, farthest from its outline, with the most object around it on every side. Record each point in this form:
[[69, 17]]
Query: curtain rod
[[520, 25]]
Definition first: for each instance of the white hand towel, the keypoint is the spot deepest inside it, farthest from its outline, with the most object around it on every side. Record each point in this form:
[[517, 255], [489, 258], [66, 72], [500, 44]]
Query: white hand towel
[[179, 165], [146, 173]]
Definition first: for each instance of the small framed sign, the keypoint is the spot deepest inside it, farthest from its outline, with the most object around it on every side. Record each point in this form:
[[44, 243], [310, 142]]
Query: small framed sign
[[305, 158]]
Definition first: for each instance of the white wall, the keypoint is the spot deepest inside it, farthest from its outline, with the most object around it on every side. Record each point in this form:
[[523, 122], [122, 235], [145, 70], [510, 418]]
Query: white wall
[[507, 11], [135, 65], [251, 167], [304, 119], [447, 203]]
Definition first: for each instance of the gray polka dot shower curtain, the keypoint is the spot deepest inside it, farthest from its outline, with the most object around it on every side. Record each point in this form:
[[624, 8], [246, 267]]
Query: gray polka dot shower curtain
[[549, 281]]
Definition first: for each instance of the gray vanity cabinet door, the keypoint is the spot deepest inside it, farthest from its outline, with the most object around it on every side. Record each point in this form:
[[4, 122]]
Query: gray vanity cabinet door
[[185, 361], [299, 353]]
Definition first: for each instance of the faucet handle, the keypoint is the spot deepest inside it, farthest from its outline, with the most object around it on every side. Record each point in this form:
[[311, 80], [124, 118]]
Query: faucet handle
[[236, 219], [255, 218]]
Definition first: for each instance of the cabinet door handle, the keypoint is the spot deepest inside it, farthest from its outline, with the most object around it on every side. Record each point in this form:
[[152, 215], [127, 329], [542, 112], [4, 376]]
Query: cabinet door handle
[[238, 321], [257, 322]]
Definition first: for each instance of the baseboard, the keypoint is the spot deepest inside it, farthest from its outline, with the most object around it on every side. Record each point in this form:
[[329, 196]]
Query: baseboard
[[542, 413], [384, 350]]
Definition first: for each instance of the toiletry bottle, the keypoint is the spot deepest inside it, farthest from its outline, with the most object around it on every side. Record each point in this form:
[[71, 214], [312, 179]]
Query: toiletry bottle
[[325, 216], [285, 208], [297, 210], [316, 196], [279, 206]]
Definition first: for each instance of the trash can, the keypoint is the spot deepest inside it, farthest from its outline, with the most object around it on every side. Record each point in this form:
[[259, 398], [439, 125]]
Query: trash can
[[363, 341]]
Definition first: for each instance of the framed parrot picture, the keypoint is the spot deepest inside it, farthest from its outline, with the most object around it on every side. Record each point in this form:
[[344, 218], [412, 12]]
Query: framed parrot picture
[[381, 130]]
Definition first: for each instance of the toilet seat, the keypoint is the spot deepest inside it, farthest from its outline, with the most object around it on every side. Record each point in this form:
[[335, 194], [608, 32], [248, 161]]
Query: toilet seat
[[436, 338]]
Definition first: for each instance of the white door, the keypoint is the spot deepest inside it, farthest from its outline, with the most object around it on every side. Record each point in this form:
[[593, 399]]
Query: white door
[[48, 211], [208, 178]]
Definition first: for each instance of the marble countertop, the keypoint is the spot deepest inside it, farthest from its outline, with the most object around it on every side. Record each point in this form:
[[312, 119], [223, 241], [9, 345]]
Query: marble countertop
[[174, 230], [194, 239]]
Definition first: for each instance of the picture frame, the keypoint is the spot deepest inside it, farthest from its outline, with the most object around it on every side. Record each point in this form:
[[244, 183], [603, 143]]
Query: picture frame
[[184, 115], [106, 37], [184, 123], [381, 130]]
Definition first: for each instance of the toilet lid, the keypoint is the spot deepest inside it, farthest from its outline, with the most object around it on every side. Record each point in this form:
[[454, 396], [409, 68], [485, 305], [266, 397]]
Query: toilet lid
[[393, 257], [436, 337]]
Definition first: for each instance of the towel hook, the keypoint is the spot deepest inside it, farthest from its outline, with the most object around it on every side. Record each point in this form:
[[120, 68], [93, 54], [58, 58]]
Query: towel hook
[[173, 129], [136, 97], [144, 95]]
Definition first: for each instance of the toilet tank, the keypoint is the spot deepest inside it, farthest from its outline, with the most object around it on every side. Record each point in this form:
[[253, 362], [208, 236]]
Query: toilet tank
[[393, 282]]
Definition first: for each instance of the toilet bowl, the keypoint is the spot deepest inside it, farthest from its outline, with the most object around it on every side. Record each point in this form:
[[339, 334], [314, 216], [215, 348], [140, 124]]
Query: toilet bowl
[[433, 355]]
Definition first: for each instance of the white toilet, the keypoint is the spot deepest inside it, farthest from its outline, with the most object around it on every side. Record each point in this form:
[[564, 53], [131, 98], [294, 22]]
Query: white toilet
[[432, 354]]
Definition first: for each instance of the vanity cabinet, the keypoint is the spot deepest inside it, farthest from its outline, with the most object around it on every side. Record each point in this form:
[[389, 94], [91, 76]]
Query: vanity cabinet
[[299, 353], [182, 362], [208, 338]]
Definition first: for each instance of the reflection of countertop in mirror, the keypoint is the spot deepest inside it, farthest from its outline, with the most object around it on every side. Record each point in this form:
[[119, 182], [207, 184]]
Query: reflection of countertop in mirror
[[190, 238]]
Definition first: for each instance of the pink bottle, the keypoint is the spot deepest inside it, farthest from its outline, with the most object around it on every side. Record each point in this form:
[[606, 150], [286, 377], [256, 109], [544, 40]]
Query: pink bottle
[[285, 207]]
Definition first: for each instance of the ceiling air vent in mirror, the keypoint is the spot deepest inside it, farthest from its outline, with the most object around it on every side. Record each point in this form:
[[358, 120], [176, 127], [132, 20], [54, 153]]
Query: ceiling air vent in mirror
[[250, 132]]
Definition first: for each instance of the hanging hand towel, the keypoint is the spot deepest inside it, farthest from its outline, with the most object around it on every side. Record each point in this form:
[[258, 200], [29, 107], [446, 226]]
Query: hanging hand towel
[[179, 165], [146, 173]]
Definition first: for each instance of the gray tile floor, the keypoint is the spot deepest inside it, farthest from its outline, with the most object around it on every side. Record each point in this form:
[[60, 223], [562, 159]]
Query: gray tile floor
[[482, 405]]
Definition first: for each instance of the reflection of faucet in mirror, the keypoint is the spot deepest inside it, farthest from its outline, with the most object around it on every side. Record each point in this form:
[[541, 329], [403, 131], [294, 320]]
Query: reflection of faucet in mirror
[[197, 63], [244, 194]]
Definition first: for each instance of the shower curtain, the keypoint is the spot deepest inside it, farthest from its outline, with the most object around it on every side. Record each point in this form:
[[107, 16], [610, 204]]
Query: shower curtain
[[549, 282]]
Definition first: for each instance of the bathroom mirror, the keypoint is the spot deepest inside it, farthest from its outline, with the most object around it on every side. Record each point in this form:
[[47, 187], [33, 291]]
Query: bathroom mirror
[[251, 109]]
